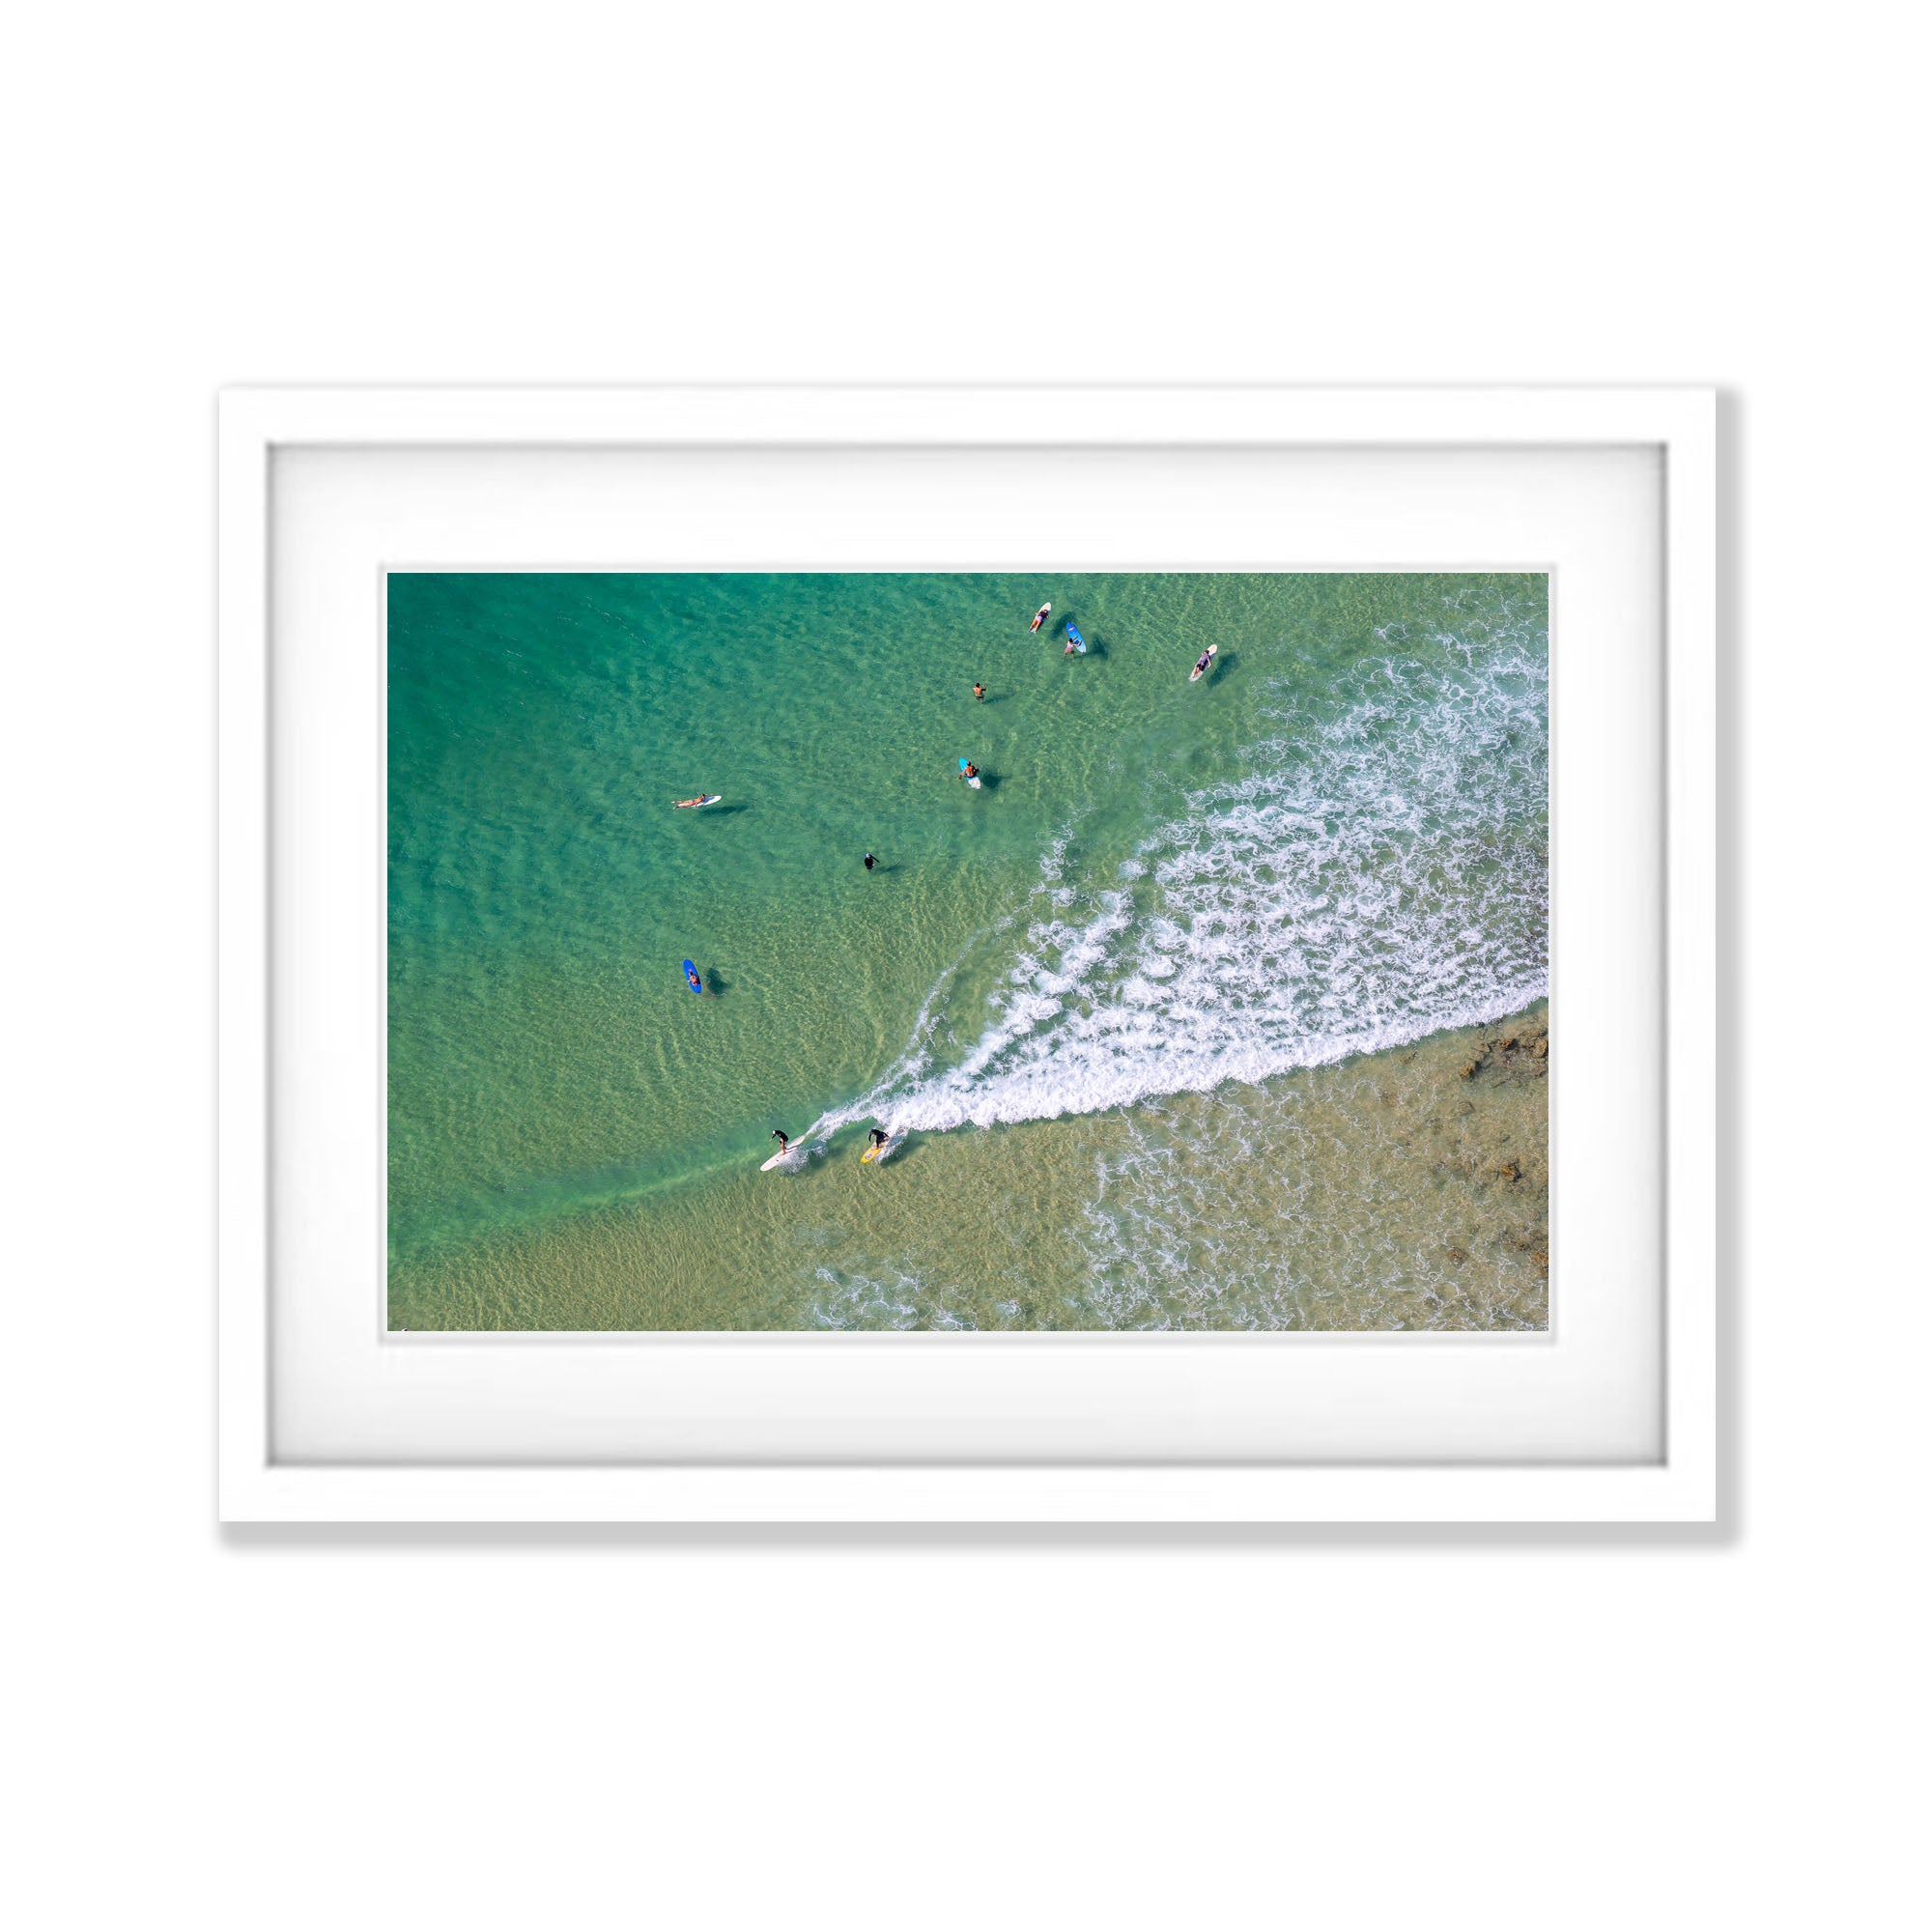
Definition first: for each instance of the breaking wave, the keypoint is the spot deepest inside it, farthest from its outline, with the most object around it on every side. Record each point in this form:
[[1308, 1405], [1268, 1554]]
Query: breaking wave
[[1368, 880]]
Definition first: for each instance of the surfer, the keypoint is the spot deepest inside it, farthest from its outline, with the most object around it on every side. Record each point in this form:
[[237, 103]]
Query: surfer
[[702, 798], [690, 978], [782, 1137], [1202, 663], [980, 690], [1074, 642], [968, 772], [870, 861], [1039, 617], [877, 1137]]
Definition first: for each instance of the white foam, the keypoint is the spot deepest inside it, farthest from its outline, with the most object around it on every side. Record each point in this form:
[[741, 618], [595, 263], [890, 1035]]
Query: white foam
[[1365, 882], [877, 1295]]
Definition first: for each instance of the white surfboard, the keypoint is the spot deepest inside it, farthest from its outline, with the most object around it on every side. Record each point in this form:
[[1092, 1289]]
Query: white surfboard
[[1040, 616], [791, 1153], [694, 804]]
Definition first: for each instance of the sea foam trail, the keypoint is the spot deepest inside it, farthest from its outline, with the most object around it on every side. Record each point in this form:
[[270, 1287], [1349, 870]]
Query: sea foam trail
[[1365, 882]]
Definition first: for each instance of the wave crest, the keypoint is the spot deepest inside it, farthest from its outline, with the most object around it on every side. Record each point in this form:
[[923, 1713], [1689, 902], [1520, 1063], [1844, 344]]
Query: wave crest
[[1365, 882]]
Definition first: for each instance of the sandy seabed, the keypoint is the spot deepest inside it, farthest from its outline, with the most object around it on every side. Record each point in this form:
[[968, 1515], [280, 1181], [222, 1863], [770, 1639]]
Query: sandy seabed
[[1403, 1189]]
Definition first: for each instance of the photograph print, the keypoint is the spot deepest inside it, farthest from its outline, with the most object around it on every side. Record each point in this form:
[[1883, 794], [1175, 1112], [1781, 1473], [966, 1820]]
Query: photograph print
[[819, 953]]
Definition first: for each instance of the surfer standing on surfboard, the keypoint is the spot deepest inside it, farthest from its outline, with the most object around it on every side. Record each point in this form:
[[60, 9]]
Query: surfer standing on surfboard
[[877, 1137], [782, 1137]]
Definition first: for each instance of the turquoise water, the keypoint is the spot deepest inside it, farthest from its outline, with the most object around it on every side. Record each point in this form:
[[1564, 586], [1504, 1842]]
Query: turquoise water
[[1334, 843]]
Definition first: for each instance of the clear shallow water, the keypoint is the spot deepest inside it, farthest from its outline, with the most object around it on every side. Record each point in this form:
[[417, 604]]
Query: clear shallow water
[[1336, 843]]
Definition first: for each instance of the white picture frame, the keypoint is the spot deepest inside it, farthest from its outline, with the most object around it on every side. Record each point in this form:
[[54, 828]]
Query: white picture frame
[[1044, 1479]]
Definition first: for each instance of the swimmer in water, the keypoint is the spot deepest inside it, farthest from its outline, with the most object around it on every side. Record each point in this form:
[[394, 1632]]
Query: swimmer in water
[[979, 691], [870, 861]]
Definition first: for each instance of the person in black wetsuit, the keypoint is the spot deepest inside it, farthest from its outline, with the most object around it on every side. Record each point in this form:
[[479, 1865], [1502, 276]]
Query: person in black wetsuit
[[870, 861], [877, 1137], [782, 1137]]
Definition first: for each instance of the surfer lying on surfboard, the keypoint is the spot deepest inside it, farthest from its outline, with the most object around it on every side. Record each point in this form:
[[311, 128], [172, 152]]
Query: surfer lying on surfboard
[[1202, 663], [1039, 617], [702, 798], [690, 978]]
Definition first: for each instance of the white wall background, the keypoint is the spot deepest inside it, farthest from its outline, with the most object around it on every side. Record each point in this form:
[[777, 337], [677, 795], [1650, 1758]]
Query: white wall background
[[1043, 1729]]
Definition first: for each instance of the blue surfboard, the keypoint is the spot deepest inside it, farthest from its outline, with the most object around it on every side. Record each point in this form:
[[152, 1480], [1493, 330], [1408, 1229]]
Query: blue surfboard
[[1075, 640], [690, 978]]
